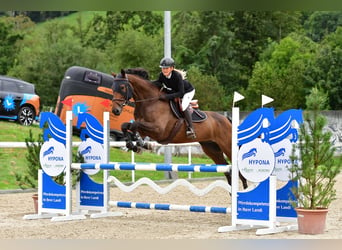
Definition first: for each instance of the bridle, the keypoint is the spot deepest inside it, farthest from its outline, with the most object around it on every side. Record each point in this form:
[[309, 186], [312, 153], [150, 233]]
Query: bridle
[[128, 94]]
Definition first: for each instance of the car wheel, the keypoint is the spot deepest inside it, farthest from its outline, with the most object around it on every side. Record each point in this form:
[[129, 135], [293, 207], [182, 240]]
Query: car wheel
[[26, 116]]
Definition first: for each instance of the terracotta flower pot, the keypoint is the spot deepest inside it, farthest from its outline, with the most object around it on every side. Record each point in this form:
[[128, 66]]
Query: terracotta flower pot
[[311, 221], [35, 202]]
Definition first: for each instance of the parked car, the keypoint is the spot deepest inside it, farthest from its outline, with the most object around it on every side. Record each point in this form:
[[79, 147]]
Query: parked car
[[18, 101]]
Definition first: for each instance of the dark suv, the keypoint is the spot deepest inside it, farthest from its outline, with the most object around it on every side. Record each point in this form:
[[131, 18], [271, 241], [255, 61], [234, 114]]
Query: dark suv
[[18, 101]]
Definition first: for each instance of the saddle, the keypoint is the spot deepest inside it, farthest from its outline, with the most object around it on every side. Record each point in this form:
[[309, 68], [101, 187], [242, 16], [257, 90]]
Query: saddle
[[196, 114]]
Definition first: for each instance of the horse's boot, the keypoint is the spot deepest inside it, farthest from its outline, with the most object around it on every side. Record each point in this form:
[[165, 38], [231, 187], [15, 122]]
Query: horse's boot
[[190, 133]]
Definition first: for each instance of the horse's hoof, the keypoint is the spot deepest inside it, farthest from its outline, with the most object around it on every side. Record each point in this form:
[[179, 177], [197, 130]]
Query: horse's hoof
[[129, 145], [140, 143]]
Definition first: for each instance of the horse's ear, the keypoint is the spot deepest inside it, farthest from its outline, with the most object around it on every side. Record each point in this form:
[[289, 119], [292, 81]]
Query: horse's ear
[[123, 73], [113, 74]]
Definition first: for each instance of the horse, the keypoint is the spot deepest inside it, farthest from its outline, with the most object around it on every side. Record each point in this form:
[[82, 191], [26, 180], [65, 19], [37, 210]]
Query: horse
[[154, 118]]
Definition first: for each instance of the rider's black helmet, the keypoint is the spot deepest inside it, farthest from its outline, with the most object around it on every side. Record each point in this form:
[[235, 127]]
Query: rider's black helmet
[[167, 62]]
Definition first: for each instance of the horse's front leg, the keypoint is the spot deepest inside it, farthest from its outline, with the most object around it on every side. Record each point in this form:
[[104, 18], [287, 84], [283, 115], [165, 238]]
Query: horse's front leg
[[140, 141], [127, 134], [130, 135]]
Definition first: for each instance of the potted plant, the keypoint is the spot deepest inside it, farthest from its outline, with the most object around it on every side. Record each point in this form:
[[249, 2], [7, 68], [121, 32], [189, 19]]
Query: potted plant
[[314, 167]]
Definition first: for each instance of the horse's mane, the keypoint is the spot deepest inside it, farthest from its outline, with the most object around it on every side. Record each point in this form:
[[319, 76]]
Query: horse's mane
[[139, 72], [142, 73]]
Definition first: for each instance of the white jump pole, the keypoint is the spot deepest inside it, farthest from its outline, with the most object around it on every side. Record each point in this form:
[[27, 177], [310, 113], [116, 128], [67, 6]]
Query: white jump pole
[[68, 175], [106, 186], [235, 171], [68, 146], [106, 129]]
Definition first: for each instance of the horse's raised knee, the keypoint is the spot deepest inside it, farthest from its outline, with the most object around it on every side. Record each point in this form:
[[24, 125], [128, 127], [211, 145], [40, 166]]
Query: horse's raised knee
[[125, 126]]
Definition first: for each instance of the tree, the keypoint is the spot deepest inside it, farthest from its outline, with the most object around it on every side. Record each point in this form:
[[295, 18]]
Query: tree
[[315, 167], [8, 46], [254, 31], [205, 41], [209, 92], [39, 16], [322, 23], [280, 73], [142, 51], [60, 45], [326, 69], [54, 51], [104, 30], [227, 44], [20, 23]]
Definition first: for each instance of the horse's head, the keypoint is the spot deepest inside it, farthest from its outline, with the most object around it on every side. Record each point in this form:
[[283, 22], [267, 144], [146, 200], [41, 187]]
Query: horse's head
[[122, 92]]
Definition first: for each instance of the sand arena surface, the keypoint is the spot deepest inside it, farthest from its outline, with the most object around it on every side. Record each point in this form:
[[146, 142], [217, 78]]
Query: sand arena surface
[[147, 224]]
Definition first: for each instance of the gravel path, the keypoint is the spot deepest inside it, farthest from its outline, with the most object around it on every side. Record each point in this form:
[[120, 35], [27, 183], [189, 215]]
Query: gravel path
[[147, 224]]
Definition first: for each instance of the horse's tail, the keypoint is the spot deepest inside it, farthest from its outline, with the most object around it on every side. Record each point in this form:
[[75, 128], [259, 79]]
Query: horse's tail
[[229, 119]]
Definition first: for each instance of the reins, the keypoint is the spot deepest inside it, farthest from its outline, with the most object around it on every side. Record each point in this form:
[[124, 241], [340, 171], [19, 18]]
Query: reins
[[127, 99], [148, 99]]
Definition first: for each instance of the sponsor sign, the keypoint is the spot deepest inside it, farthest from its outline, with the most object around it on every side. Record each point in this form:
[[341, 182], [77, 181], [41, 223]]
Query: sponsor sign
[[282, 152], [92, 152], [52, 157], [256, 160]]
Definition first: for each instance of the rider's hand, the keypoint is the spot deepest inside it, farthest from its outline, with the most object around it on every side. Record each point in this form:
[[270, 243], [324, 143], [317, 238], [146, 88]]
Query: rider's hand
[[163, 98]]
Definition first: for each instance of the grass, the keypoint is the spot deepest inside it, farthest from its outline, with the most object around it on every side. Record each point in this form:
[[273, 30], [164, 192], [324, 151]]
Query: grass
[[14, 132], [13, 160]]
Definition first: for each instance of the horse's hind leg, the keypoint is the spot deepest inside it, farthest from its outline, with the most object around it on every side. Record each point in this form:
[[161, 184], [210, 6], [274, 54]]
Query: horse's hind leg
[[212, 150]]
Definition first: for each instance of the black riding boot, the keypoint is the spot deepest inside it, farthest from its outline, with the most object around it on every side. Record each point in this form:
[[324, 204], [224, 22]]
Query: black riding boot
[[190, 133]]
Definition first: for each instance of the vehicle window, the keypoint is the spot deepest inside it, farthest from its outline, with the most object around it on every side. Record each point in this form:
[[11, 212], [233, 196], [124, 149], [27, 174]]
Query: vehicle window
[[16, 87], [25, 88], [9, 86], [92, 77]]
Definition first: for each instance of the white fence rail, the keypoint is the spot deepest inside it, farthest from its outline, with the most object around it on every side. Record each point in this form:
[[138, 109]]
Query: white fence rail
[[157, 148]]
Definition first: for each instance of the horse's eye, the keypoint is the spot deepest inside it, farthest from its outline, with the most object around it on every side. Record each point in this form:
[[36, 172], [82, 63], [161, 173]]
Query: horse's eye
[[122, 87]]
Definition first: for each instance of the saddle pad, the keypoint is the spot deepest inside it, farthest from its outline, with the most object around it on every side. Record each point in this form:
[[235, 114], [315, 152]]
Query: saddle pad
[[197, 115]]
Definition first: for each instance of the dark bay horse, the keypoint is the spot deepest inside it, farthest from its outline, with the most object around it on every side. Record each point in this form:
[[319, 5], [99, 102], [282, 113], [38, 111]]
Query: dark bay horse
[[155, 119]]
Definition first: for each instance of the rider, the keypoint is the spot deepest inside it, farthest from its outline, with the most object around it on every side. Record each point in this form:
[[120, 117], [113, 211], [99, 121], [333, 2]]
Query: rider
[[177, 87]]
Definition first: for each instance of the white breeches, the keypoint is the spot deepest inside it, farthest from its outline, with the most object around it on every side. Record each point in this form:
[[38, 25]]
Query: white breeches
[[187, 99]]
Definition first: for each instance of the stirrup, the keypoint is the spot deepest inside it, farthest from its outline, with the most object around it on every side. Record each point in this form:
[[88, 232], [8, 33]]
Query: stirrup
[[190, 133]]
